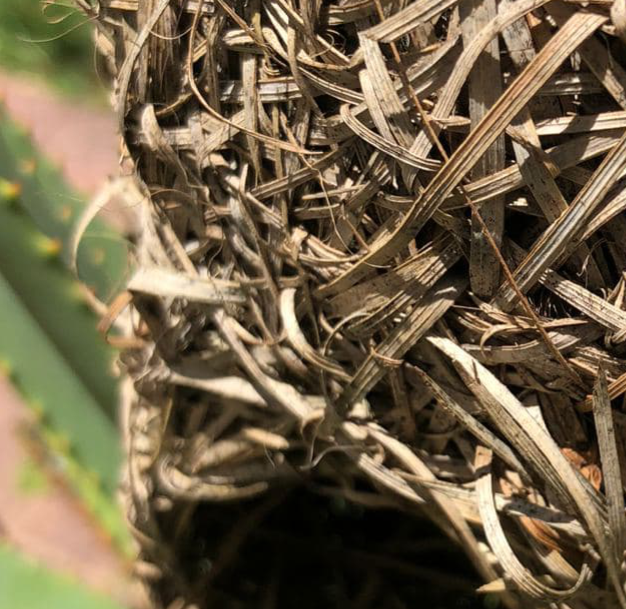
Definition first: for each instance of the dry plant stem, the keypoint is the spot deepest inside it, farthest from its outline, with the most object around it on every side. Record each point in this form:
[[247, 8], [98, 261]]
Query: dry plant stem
[[557, 237], [496, 250], [281, 145], [578, 28], [485, 86], [610, 466]]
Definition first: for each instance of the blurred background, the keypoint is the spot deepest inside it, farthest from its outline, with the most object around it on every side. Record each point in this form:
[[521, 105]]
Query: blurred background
[[62, 539]]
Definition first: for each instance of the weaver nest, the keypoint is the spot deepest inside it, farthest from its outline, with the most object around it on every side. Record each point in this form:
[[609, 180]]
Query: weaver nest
[[381, 265]]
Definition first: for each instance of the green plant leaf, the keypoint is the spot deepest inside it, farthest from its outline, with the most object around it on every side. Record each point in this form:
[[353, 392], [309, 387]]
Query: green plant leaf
[[84, 440], [55, 207], [30, 265], [59, 362], [32, 480], [25, 585], [48, 336]]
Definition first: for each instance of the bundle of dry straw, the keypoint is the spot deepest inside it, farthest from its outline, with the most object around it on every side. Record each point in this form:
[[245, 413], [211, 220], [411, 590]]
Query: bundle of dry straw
[[383, 257]]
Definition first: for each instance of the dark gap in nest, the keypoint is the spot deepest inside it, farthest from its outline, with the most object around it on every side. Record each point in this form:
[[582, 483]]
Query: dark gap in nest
[[310, 551], [550, 307], [442, 25]]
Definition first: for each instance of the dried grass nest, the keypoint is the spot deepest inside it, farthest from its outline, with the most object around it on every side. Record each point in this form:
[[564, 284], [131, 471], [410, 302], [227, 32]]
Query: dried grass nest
[[382, 260]]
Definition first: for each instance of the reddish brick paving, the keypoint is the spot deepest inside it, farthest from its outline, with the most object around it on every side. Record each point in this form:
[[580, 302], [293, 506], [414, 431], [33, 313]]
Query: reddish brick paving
[[81, 139]]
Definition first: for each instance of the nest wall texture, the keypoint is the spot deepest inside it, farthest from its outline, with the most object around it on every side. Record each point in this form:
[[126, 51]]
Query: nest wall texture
[[383, 256]]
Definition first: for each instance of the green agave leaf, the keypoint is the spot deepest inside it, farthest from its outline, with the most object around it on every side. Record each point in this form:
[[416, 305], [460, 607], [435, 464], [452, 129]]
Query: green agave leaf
[[48, 337], [25, 585], [83, 439], [55, 208], [30, 264]]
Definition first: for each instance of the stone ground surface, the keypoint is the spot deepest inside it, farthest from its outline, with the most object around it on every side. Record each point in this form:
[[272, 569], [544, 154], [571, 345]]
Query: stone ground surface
[[47, 523]]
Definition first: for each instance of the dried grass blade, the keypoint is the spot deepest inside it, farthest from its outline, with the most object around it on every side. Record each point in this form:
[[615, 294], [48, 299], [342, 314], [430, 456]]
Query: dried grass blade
[[472, 424], [611, 473], [280, 185], [616, 389], [587, 302], [484, 87], [598, 59], [191, 6], [535, 171], [178, 484], [577, 29], [514, 507], [616, 206], [567, 125], [270, 91], [411, 278], [126, 70], [391, 148], [377, 472], [523, 432], [576, 83], [282, 13], [500, 546], [535, 350], [408, 19], [396, 116], [448, 95], [534, 445], [274, 392], [298, 340], [560, 158], [167, 284], [406, 297], [557, 237], [228, 387], [401, 339], [415, 465], [425, 77]]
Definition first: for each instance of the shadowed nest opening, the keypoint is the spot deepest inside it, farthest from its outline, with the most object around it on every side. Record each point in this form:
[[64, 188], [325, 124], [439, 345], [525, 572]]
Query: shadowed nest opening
[[296, 548]]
